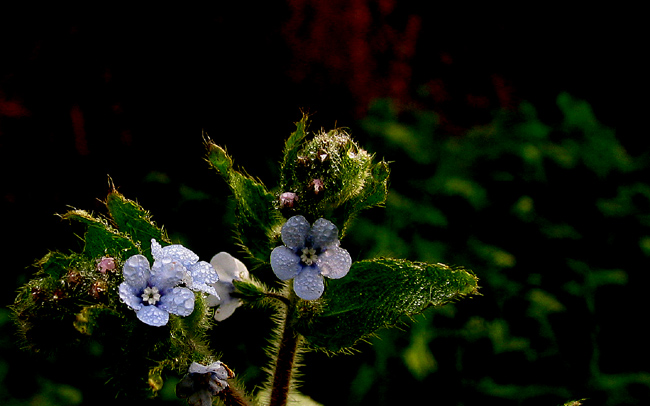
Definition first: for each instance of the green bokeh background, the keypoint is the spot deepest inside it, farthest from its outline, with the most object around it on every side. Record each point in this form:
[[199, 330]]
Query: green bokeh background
[[505, 159]]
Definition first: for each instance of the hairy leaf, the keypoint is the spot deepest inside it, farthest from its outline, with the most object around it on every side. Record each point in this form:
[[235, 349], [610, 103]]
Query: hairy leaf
[[257, 218], [291, 149], [131, 219], [100, 237], [377, 293]]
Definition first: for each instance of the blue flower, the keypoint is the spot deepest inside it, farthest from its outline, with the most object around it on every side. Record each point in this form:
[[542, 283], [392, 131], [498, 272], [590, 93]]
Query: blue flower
[[308, 254], [199, 274], [154, 295], [202, 382], [228, 268]]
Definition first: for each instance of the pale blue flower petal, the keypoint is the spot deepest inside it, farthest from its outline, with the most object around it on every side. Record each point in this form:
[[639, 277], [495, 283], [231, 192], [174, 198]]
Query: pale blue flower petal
[[180, 254], [203, 272], [216, 368], [203, 275], [178, 301], [174, 252], [169, 275], [156, 249], [220, 371], [129, 295], [309, 284], [196, 368], [136, 271], [205, 288], [334, 263], [295, 231], [153, 316], [285, 263], [324, 234]]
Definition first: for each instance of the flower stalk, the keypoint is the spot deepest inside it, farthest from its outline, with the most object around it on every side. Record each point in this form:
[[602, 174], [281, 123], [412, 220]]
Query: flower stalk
[[285, 361], [233, 397]]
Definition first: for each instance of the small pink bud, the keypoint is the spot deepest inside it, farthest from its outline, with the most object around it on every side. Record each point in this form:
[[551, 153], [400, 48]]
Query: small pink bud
[[106, 264], [287, 199], [317, 186]]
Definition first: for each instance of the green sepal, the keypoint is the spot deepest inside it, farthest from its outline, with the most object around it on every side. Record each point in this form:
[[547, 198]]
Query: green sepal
[[249, 290], [258, 221], [377, 293]]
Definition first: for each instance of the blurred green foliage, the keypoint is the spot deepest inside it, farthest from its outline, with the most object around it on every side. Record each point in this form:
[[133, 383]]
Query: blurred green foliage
[[553, 217]]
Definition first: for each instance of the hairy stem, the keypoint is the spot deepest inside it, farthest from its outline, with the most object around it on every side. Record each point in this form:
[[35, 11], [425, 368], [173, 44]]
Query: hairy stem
[[285, 360], [233, 397]]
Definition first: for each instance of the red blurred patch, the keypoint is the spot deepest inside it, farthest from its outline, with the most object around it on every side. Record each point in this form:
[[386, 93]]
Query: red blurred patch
[[351, 42], [479, 102], [446, 58], [78, 129], [12, 108], [437, 90], [504, 91]]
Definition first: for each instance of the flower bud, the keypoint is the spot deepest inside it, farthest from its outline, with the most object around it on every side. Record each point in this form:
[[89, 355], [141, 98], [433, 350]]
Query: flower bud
[[106, 264], [316, 186], [287, 200]]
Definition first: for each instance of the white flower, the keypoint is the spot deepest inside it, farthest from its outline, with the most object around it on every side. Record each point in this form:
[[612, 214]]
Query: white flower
[[228, 268]]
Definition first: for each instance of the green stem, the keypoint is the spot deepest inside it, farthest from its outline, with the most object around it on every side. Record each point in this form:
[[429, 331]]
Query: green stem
[[285, 360], [279, 297]]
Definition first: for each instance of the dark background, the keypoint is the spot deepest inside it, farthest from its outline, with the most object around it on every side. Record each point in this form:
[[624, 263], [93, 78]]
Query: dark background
[[130, 95]]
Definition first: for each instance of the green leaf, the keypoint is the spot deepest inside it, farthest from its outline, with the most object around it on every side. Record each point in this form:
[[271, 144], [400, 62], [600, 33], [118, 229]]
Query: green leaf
[[101, 238], [131, 219], [377, 293], [219, 159], [258, 221], [291, 149]]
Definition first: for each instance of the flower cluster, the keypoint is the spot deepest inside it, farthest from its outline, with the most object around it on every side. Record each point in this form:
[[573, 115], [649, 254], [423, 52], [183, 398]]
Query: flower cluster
[[165, 287], [309, 253], [202, 382]]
